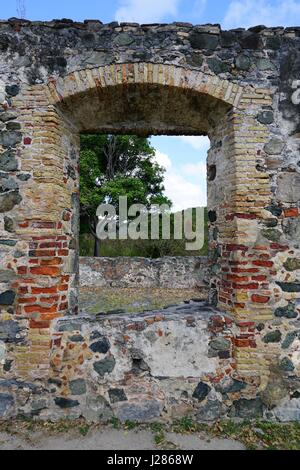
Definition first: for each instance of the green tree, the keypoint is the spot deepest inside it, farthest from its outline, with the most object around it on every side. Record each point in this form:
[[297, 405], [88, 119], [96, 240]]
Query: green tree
[[113, 166]]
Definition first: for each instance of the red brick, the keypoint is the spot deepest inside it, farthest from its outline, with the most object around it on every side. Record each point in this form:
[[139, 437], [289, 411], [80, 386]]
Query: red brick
[[24, 224], [45, 270], [292, 212], [246, 324], [44, 290], [239, 215], [260, 299], [22, 270], [242, 343], [63, 288], [23, 290], [63, 306], [233, 247], [259, 278], [49, 300], [42, 253], [28, 300], [39, 324], [250, 286], [279, 247], [231, 277], [39, 309], [262, 263], [63, 252], [245, 270], [50, 245], [51, 262], [228, 321]]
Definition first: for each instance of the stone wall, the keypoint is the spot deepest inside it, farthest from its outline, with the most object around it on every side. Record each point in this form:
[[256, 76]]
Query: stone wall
[[239, 87], [156, 366], [166, 273]]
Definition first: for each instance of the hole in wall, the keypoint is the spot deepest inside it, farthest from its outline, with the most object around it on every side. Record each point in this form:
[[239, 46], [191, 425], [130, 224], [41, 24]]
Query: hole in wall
[[211, 172], [212, 216], [177, 176]]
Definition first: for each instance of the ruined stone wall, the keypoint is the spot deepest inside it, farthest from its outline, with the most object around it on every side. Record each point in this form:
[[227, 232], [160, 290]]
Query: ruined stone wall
[[167, 273], [241, 88]]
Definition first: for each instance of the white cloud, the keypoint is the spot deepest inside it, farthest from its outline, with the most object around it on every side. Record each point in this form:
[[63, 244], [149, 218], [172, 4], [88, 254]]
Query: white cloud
[[182, 192], [146, 11], [197, 142], [163, 159], [248, 13], [193, 169]]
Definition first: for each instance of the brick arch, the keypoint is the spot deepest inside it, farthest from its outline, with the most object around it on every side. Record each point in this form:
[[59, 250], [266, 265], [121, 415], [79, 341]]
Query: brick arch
[[82, 81]]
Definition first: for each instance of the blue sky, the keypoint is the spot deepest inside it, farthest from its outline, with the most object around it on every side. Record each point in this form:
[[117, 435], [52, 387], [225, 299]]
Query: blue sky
[[185, 180], [231, 13]]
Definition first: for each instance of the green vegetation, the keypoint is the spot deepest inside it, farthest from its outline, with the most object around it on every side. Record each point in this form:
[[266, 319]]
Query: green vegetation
[[115, 423], [159, 433], [261, 434], [143, 248], [84, 429], [123, 165], [133, 299], [117, 165], [255, 435]]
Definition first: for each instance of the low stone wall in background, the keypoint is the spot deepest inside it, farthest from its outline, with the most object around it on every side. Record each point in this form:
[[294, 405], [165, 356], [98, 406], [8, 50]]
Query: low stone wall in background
[[169, 272]]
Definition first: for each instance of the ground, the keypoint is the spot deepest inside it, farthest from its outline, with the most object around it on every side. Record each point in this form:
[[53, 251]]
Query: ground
[[180, 435], [133, 300]]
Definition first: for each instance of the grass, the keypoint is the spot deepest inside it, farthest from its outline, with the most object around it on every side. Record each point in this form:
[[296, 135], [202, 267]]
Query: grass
[[138, 248], [158, 431], [95, 300], [255, 435], [84, 429], [184, 425]]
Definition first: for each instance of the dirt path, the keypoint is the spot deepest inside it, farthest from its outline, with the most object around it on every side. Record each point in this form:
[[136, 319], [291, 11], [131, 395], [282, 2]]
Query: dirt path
[[113, 439]]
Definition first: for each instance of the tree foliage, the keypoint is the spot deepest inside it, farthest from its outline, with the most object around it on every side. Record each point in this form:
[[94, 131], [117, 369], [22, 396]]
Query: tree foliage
[[117, 165]]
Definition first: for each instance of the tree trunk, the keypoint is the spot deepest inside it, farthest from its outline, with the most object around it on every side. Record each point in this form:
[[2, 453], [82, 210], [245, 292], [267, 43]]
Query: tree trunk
[[97, 247]]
